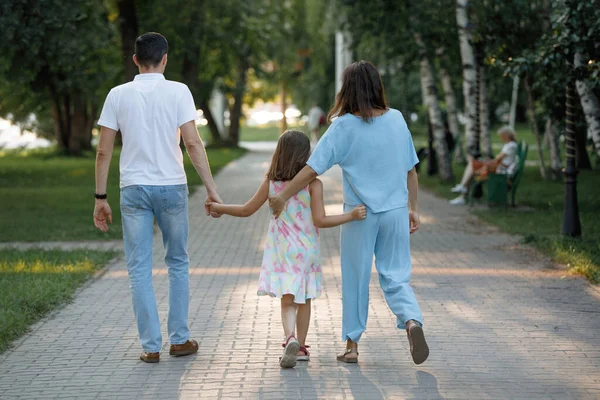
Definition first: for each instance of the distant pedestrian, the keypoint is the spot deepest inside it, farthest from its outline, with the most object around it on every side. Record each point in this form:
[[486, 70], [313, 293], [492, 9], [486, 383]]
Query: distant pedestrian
[[316, 120], [374, 148], [291, 267]]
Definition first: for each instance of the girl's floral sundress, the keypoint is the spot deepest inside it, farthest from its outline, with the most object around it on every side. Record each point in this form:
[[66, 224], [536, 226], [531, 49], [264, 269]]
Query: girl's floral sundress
[[291, 261]]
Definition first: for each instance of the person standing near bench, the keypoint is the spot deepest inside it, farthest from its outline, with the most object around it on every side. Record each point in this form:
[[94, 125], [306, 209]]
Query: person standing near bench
[[153, 114]]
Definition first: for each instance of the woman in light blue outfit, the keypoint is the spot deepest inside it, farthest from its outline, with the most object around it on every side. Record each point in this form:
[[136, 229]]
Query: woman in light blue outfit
[[374, 148]]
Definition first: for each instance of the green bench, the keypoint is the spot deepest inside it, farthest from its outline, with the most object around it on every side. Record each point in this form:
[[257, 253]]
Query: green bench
[[499, 186]]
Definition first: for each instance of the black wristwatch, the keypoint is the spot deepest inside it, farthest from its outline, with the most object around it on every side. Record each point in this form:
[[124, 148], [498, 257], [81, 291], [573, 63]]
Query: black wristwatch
[[100, 196]]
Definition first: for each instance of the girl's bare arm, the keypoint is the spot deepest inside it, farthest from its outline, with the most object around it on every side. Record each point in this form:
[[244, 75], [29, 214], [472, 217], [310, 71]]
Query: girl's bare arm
[[246, 210], [318, 209]]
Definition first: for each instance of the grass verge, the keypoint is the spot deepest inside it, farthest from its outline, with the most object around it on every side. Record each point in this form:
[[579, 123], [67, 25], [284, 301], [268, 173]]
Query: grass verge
[[538, 217], [46, 197], [34, 282]]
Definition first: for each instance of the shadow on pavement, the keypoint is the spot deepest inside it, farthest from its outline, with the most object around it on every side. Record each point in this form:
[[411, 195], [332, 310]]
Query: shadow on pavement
[[360, 386]]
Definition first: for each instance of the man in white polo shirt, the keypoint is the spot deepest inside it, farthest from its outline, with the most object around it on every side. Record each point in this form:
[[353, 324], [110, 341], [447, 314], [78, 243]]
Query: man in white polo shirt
[[153, 114]]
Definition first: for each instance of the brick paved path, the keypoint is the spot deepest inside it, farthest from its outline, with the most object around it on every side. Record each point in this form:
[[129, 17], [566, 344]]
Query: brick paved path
[[501, 322]]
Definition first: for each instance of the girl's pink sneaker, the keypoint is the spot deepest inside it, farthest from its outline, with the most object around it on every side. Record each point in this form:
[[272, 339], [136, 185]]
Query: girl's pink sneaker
[[290, 353]]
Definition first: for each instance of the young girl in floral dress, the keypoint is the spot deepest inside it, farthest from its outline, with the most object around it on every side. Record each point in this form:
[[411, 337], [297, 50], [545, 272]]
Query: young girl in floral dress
[[291, 267]]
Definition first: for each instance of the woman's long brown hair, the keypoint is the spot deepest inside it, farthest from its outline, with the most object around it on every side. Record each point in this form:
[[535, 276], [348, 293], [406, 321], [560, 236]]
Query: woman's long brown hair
[[291, 155], [362, 92]]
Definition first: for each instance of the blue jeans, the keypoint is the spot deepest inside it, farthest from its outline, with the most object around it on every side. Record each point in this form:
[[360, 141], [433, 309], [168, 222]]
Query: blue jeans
[[387, 236], [169, 205]]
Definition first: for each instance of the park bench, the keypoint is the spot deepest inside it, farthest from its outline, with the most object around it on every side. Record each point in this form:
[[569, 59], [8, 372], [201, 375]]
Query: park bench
[[499, 186]]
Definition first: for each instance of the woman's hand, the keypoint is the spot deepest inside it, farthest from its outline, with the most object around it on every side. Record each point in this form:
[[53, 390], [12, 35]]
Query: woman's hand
[[276, 203], [359, 213], [415, 221]]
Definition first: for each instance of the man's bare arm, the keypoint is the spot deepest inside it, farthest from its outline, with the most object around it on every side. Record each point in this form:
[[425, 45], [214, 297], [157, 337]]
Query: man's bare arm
[[197, 152], [102, 211]]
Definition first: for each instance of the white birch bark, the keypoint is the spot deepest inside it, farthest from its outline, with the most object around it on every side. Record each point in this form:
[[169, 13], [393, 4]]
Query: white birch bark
[[459, 155], [590, 105], [467, 55], [552, 138], [534, 127], [484, 117], [434, 112], [513, 102]]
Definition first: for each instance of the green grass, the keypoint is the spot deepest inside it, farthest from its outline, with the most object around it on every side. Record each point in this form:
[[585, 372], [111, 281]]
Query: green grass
[[46, 197], [34, 282], [538, 217]]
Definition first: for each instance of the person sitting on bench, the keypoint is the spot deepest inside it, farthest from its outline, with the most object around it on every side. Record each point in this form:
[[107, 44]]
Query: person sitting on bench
[[504, 163]]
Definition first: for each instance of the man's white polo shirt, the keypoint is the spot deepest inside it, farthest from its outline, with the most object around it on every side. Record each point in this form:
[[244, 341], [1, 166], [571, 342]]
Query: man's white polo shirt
[[149, 111]]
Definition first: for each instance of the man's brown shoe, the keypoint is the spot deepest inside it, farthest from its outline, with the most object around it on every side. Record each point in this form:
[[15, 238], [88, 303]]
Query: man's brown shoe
[[418, 346], [150, 357], [189, 347]]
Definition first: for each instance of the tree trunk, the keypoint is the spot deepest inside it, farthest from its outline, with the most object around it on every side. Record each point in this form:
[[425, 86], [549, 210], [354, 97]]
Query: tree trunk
[[62, 137], [513, 103], [551, 136], [434, 112], [215, 134], [128, 26], [590, 105], [469, 76], [238, 98], [78, 125], [484, 116], [534, 126], [459, 155], [571, 224], [283, 107], [582, 158], [190, 75]]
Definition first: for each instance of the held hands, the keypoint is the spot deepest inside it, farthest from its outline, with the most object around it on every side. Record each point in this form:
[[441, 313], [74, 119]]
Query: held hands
[[102, 213], [359, 213], [414, 220], [212, 198], [214, 209]]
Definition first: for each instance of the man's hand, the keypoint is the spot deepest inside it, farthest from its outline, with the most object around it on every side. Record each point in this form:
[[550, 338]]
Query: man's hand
[[212, 198], [415, 221], [102, 213], [276, 203]]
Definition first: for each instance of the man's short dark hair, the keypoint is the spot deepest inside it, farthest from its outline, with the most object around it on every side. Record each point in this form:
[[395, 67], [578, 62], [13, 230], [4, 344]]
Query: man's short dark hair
[[150, 49]]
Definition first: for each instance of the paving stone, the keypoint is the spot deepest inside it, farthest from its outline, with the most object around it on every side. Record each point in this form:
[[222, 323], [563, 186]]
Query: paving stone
[[501, 321]]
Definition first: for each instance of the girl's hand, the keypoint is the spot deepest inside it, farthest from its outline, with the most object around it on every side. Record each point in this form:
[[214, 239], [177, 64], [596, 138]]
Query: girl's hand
[[213, 209], [414, 220], [359, 213]]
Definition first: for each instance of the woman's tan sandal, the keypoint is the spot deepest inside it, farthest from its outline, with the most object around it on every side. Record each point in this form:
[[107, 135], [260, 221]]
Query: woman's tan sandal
[[343, 357]]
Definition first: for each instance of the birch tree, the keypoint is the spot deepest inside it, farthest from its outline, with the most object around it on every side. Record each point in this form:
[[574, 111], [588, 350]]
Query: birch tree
[[451, 107], [589, 103], [434, 112], [469, 74], [552, 139]]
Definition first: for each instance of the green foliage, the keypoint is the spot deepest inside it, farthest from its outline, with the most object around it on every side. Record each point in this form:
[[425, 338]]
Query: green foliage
[[35, 282], [51, 52], [382, 32], [46, 197]]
